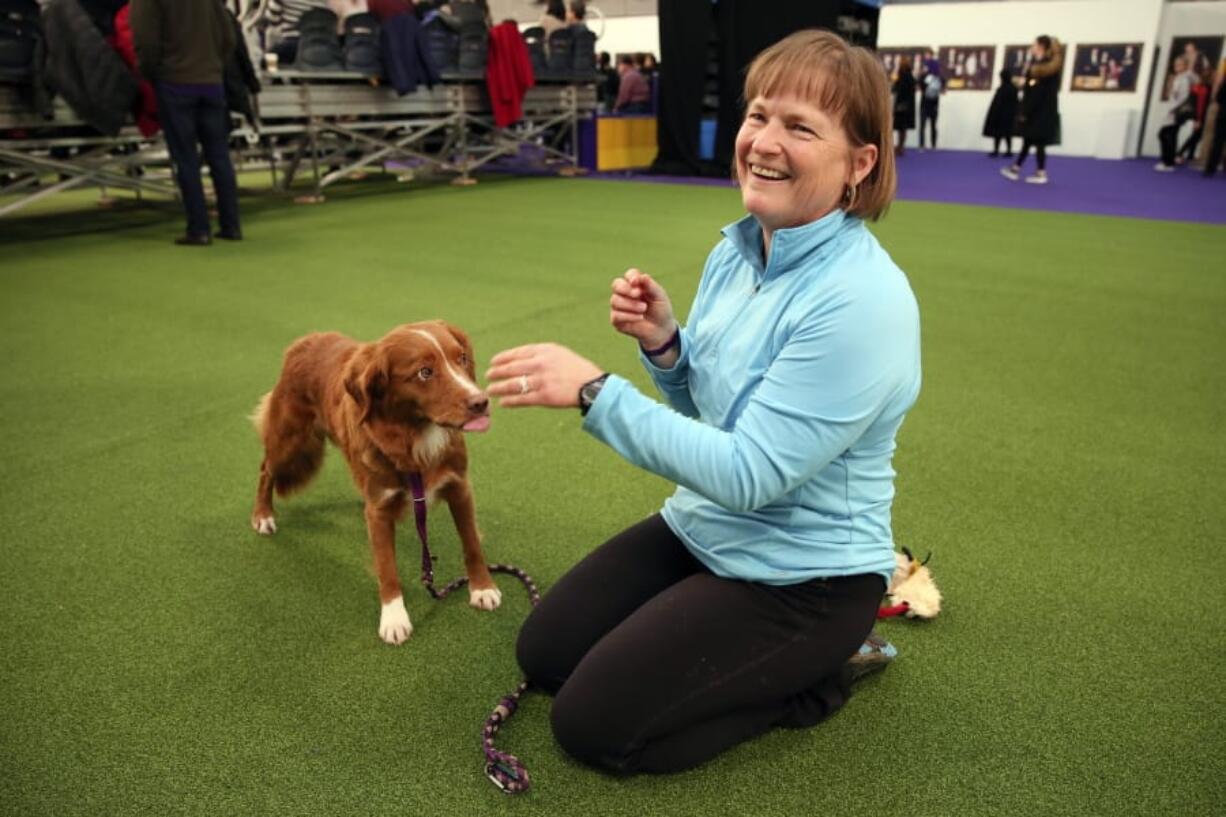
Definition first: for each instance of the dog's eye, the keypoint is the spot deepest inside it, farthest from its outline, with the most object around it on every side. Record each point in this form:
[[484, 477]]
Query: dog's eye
[[463, 359], [425, 373]]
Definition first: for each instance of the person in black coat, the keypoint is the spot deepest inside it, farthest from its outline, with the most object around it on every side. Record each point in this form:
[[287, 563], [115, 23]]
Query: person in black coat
[[1001, 115], [904, 104], [1039, 117]]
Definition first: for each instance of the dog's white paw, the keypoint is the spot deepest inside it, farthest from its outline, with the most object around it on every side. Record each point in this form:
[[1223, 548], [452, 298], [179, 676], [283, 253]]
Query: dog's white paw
[[394, 625], [265, 525], [488, 599]]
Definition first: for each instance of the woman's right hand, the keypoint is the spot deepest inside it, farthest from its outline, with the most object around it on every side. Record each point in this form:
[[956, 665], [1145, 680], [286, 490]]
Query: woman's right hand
[[639, 307]]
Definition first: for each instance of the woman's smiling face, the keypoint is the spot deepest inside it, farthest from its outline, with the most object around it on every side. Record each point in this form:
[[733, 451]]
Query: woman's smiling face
[[793, 161]]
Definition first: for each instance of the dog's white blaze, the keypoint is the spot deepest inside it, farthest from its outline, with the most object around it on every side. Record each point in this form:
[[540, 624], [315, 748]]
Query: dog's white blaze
[[394, 624], [431, 444], [460, 376]]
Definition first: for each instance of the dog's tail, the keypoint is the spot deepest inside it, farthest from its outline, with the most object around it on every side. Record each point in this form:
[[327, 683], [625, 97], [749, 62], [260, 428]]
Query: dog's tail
[[259, 417], [293, 452]]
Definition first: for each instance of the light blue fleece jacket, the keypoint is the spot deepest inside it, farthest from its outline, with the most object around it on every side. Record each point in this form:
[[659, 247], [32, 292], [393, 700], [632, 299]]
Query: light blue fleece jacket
[[793, 380]]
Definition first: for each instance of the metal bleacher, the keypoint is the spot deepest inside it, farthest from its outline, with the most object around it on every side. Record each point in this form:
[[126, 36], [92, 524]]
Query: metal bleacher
[[336, 124], [345, 122]]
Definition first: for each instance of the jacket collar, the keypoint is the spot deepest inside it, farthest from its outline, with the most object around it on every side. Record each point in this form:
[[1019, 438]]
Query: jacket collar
[[790, 247]]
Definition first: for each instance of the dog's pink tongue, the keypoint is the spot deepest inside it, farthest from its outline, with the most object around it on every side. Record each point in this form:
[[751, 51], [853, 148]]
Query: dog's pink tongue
[[479, 424]]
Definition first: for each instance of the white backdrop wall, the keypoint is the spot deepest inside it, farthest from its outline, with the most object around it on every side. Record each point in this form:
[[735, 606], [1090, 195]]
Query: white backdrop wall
[[630, 35], [624, 35], [1093, 123], [1196, 19]]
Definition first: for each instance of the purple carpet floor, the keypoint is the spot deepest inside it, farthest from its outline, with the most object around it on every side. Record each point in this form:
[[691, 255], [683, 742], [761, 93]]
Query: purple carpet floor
[[1104, 187]]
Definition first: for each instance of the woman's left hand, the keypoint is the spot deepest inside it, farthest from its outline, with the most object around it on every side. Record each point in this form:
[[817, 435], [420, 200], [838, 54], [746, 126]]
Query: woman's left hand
[[539, 374]]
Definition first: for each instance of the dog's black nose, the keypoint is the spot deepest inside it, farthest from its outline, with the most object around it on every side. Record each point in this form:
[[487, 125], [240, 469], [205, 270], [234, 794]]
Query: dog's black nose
[[479, 404]]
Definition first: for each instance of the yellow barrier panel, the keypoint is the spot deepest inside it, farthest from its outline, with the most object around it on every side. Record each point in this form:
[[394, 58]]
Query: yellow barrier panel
[[625, 142]]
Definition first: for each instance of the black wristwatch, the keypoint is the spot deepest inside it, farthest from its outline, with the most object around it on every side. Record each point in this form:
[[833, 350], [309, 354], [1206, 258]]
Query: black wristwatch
[[588, 393]]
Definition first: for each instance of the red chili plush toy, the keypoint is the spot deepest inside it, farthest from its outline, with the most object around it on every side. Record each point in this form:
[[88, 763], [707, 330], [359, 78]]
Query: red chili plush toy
[[912, 592]]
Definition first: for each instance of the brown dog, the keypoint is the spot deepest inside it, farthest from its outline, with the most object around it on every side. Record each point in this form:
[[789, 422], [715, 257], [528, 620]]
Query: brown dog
[[393, 407]]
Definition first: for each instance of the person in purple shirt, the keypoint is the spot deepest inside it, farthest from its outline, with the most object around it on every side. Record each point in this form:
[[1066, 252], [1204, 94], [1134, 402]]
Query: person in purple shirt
[[633, 93], [182, 47]]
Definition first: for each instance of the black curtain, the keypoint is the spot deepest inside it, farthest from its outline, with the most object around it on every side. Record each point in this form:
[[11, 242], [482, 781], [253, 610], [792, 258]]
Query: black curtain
[[744, 28], [685, 29], [747, 27]]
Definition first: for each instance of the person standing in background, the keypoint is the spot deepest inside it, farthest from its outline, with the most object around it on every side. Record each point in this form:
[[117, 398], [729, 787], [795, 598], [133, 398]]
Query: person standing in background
[[1201, 89], [1002, 113], [182, 47], [609, 81], [904, 104], [1183, 108], [1040, 110], [931, 88], [633, 93]]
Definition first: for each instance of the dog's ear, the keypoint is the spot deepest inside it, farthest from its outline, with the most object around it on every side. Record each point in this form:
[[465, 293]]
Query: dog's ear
[[366, 379], [462, 339]]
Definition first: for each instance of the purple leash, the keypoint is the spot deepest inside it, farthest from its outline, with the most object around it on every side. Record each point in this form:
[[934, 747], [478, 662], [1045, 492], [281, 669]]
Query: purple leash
[[503, 768]]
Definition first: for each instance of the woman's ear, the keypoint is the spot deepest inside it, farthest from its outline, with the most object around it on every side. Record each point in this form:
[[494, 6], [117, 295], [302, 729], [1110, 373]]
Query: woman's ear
[[366, 380], [863, 160]]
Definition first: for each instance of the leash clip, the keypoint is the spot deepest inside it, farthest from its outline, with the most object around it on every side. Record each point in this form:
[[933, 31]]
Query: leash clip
[[506, 778]]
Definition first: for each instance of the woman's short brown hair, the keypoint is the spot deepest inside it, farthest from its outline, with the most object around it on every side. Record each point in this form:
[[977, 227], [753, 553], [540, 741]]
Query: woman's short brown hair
[[846, 82]]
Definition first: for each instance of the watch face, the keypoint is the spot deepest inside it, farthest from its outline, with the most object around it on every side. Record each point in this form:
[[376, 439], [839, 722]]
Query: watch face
[[590, 391]]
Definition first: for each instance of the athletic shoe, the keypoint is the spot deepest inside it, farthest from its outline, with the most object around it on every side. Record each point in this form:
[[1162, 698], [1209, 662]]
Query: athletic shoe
[[1010, 172], [1162, 168], [1037, 178], [874, 655]]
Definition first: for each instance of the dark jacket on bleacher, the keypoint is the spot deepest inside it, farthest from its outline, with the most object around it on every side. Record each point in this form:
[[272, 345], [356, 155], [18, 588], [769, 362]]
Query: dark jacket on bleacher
[[185, 42], [241, 80], [83, 68], [406, 59]]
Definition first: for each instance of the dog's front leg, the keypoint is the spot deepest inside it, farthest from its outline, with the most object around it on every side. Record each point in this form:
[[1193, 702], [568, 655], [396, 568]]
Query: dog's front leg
[[482, 592], [394, 625]]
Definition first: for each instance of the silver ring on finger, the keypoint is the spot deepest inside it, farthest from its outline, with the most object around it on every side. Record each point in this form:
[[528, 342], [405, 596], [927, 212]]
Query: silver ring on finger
[[524, 386]]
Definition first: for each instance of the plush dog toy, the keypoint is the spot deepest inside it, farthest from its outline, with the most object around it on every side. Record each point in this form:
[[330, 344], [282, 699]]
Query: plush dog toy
[[912, 592]]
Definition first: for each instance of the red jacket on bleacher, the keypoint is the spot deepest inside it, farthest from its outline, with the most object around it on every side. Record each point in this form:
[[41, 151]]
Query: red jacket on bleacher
[[146, 110], [508, 73]]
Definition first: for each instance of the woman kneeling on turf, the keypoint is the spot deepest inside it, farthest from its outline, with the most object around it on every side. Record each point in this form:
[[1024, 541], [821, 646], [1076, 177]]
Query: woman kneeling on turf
[[736, 609]]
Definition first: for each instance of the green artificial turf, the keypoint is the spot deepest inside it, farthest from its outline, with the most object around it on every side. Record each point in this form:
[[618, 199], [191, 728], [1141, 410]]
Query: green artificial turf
[[1064, 464]]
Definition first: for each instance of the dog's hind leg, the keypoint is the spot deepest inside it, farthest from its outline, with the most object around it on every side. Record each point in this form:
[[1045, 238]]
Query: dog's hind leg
[[293, 453]]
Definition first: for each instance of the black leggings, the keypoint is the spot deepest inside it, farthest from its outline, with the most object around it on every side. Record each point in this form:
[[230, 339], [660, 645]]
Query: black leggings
[[928, 116], [1168, 135], [1040, 154], [1008, 140], [659, 665]]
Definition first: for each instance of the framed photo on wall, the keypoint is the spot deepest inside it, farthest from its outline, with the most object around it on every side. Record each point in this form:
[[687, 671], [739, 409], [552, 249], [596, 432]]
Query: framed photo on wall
[[1106, 67], [892, 56], [1200, 53], [967, 67], [1015, 58]]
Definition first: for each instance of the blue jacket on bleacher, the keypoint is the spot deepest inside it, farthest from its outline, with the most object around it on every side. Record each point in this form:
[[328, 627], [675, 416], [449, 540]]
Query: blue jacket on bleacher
[[406, 59]]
